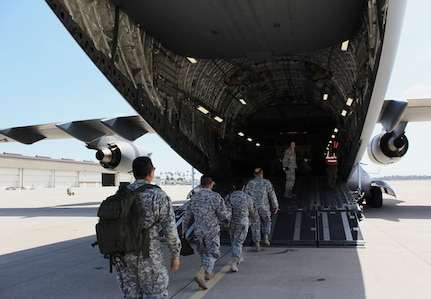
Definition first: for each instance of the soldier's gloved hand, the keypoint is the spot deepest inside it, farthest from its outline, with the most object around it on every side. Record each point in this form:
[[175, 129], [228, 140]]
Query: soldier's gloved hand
[[275, 210]]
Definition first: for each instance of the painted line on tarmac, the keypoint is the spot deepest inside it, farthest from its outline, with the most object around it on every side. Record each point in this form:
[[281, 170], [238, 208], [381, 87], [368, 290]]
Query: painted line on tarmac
[[217, 277]]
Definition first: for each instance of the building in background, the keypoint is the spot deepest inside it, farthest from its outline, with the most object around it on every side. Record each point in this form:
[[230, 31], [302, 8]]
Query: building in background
[[24, 172]]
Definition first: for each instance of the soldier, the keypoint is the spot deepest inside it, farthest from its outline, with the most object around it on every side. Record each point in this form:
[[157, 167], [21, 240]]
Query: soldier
[[265, 200], [289, 167], [207, 208], [242, 207], [331, 168], [138, 276]]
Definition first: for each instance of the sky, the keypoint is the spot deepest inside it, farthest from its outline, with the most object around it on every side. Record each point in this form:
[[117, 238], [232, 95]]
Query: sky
[[45, 77]]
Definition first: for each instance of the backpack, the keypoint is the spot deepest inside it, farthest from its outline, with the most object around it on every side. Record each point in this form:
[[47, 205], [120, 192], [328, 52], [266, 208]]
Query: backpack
[[120, 228]]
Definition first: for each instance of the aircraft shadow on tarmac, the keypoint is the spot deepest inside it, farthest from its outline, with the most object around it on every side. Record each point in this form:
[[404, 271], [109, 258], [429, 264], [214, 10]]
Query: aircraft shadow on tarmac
[[73, 269]]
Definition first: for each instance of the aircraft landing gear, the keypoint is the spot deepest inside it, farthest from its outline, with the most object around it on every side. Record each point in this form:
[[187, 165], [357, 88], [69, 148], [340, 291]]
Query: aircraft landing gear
[[359, 193], [376, 198]]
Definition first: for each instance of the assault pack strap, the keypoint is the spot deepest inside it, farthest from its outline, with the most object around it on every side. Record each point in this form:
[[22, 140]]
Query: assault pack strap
[[120, 229]]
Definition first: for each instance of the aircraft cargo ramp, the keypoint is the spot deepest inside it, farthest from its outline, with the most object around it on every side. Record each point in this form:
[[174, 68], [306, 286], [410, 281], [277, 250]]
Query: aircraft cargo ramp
[[318, 216]]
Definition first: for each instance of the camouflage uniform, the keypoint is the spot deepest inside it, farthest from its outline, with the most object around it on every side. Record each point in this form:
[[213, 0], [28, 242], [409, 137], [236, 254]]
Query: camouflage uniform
[[289, 165], [264, 198], [140, 277], [242, 209], [195, 190], [207, 208]]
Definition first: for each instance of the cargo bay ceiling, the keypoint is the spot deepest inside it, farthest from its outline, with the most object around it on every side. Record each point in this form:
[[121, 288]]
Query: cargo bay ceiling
[[228, 83]]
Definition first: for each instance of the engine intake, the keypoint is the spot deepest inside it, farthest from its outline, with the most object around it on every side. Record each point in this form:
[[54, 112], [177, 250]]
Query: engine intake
[[119, 156], [387, 148]]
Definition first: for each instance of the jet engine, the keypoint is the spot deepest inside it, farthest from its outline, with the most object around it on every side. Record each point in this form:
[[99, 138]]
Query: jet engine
[[119, 155], [387, 148]]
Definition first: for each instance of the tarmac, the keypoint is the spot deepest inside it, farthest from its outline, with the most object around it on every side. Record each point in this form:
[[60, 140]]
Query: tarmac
[[46, 252]]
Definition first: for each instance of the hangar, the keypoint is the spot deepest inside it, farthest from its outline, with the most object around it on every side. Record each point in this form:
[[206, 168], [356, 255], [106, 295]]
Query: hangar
[[25, 172]]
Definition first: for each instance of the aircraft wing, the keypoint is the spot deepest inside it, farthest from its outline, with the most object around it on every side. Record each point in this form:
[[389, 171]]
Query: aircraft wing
[[395, 112], [128, 127], [417, 110]]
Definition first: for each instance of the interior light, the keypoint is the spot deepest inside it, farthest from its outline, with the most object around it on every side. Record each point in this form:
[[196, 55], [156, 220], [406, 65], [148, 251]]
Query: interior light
[[241, 134], [349, 102], [192, 60], [242, 101], [332, 136], [249, 139], [258, 144], [325, 96], [336, 130], [217, 118], [343, 113], [202, 109], [345, 45]]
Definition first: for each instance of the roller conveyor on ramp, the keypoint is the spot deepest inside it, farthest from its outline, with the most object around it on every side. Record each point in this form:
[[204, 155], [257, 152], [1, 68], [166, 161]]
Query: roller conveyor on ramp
[[318, 216], [317, 228]]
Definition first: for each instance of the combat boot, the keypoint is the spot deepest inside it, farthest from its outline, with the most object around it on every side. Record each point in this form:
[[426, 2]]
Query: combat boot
[[241, 258], [257, 246], [266, 240], [200, 278], [208, 276], [233, 264]]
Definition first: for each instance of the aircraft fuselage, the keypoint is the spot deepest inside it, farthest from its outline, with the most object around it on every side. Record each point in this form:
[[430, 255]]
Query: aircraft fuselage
[[265, 73]]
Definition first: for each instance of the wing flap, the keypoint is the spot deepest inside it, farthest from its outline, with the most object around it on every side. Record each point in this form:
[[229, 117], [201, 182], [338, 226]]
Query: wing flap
[[129, 127]]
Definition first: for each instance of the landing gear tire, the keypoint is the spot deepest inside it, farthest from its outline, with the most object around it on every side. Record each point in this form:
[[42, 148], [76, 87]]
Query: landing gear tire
[[376, 200]]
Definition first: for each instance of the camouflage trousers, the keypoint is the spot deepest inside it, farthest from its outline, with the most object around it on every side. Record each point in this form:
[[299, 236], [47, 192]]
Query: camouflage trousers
[[237, 233], [208, 247], [142, 278], [264, 225], [290, 180]]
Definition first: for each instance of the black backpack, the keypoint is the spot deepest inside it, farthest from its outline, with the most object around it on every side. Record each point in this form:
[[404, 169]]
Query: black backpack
[[120, 228]]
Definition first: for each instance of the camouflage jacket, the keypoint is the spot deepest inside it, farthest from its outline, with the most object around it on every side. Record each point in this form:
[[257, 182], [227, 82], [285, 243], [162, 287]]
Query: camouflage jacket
[[207, 208], [262, 192], [242, 207], [289, 159]]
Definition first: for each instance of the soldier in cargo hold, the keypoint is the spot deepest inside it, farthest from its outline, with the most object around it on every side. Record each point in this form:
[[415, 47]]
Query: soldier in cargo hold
[[265, 201], [207, 208], [289, 167]]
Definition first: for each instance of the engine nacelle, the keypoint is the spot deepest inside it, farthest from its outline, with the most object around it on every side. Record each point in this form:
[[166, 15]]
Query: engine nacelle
[[119, 155], [386, 148]]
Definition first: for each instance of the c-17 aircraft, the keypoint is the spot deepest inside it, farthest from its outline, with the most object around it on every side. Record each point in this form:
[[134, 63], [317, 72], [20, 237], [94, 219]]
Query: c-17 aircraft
[[228, 84]]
